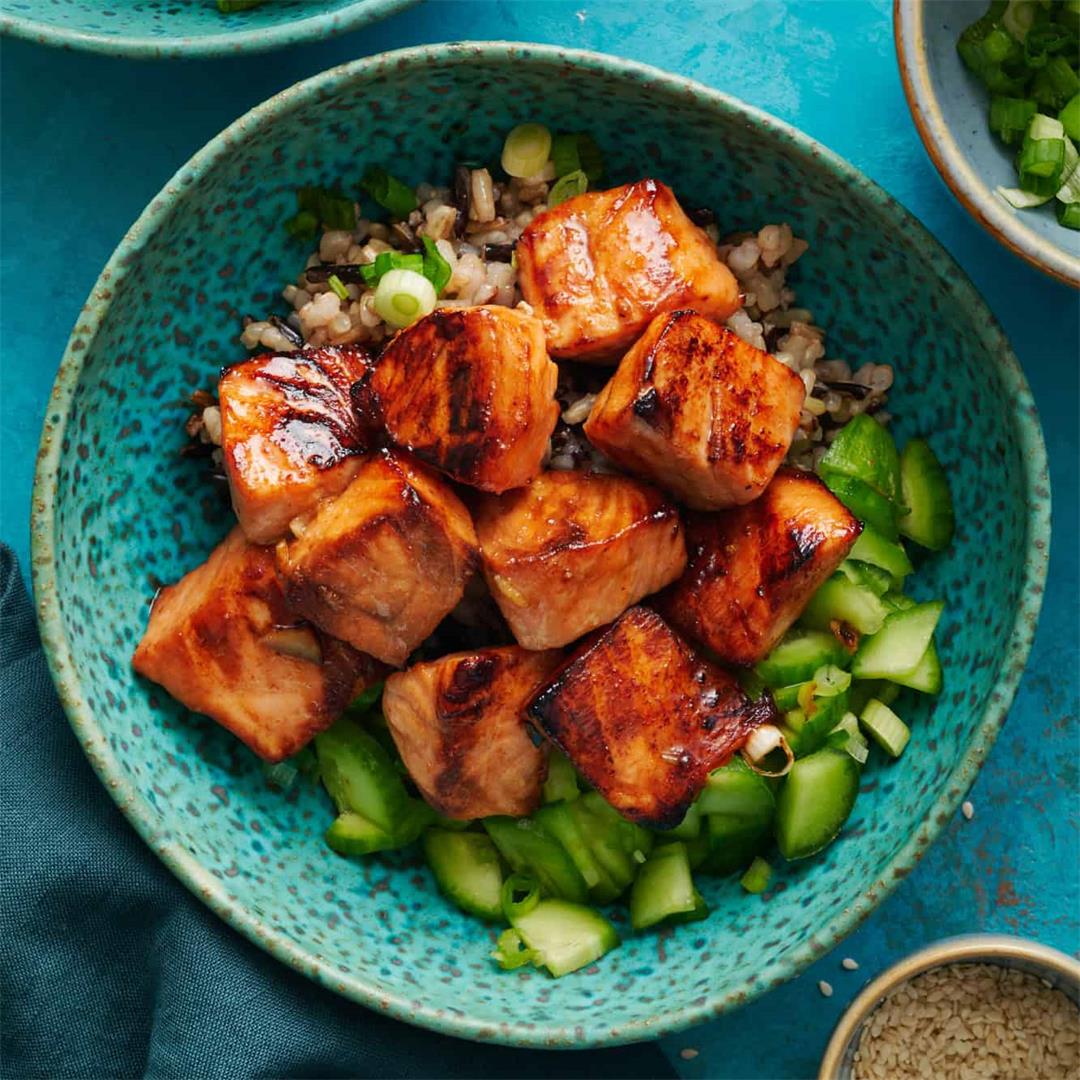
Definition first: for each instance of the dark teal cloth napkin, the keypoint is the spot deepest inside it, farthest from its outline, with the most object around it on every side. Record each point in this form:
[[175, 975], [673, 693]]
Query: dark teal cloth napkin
[[110, 968]]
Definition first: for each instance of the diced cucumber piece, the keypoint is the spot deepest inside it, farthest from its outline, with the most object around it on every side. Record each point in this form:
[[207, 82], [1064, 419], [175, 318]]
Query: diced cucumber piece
[[699, 911], [689, 827], [560, 821], [897, 601], [756, 878], [565, 936], [926, 677], [867, 504], [697, 848], [663, 887], [733, 842], [885, 727], [867, 576], [799, 655], [531, 850], [829, 681], [787, 697], [862, 690], [826, 713], [899, 645], [736, 791], [864, 449], [871, 547], [360, 775], [626, 835], [814, 802], [352, 834], [466, 868], [841, 599], [561, 780], [618, 866], [929, 520]]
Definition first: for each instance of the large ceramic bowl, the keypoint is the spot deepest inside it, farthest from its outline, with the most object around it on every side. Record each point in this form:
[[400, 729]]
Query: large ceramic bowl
[[160, 29], [117, 510], [950, 108]]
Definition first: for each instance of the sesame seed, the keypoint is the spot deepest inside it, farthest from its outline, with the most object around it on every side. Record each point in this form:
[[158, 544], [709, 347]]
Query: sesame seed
[[849, 965], [688, 1053], [967, 809], [825, 988]]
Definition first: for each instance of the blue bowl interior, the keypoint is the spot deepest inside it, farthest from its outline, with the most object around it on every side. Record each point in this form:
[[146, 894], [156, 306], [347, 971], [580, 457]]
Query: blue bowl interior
[[129, 513]]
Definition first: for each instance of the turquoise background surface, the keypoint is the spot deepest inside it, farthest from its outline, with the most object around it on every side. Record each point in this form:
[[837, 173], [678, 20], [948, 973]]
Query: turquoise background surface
[[86, 142]]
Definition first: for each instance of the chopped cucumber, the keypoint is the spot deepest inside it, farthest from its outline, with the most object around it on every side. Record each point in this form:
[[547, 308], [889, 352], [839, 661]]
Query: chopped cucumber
[[663, 887], [926, 677], [736, 791], [618, 865], [353, 834], [871, 547], [565, 936], [899, 645], [360, 775], [868, 576], [561, 780], [814, 802], [531, 850], [699, 911], [799, 655], [625, 835], [865, 502], [885, 727], [689, 827], [929, 520], [840, 599], [733, 842], [466, 868], [697, 849], [825, 713], [786, 698], [756, 878], [865, 450], [561, 822]]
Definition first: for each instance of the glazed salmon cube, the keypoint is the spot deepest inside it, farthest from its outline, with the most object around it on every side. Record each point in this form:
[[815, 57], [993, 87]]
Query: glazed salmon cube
[[598, 267], [573, 550], [289, 435], [698, 411], [643, 719], [470, 391], [224, 642], [753, 569], [459, 724], [384, 562]]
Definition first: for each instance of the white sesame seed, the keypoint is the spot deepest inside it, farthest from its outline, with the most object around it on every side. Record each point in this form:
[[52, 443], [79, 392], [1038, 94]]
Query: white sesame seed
[[967, 809], [825, 988], [688, 1053], [849, 965]]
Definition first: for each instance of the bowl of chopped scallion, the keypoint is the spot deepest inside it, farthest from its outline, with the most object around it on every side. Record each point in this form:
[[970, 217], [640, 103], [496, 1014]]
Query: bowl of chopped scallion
[[995, 94]]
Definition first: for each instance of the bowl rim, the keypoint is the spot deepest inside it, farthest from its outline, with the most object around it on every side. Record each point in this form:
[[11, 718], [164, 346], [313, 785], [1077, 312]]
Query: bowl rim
[[306, 28], [1006, 225], [964, 948], [366, 990]]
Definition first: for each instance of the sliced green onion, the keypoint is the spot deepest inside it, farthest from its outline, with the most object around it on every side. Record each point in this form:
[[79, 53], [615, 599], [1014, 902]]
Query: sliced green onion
[[385, 261], [526, 150], [511, 952], [768, 752], [338, 287], [332, 208], [1069, 215], [848, 736], [566, 187], [1042, 156], [756, 878], [1054, 84], [577, 151], [885, 727], [520, 894], [1010, 117], [1070, 117], [304, 225], [403, 296], [1021, 200], [435, 268], [1069, 192], [389, 192], [830, 680], [1018, 17]]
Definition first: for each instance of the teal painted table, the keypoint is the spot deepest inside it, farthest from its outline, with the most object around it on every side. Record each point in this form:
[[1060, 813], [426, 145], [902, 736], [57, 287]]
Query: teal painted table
[[87, 141]]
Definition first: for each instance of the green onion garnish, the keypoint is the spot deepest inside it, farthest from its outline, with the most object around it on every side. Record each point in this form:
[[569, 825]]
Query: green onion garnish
[[1042, 156], [435, 268], [389, 192], [756, 878], [1070, 117], [318, 204], [1010, 117], [566, 187], [386, 261], [526, 150], [575, 151], [303, 226], [366, 699], [403, 296], [338, 287], [885, 727], [1069, 215]]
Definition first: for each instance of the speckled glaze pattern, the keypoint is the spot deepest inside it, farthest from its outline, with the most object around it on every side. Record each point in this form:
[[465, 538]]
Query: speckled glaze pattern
[[950, 108], [165, 29], [117, 510]]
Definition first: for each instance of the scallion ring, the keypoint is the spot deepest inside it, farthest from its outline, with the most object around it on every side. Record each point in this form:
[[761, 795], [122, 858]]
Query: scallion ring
[[526, 150], [403, 296], [520, 894], [338, 287], [566, 187]]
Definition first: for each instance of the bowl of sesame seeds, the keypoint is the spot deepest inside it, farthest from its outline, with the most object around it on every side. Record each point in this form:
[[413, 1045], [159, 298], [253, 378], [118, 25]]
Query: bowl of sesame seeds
[[967, 1008]]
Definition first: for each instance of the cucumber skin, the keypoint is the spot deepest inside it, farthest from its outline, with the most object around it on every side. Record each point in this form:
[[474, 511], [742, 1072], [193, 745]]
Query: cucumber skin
[[359, 775], [841, 599], [930, 521], [799, 655], [877, 657], [799, 839], [352, 834], [530, 849], [927, 677], [663, 887], [865, 450], [444, 849], [867, 504], [872, 547]]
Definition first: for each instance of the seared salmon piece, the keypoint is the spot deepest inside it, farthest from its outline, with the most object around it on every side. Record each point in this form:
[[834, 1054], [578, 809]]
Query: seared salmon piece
[[224, 642], [470, 391], [459, 724], [698, 411], [289, 434], [384, 562], [752, 570], [643, 719], [574, 550], [598, 267]]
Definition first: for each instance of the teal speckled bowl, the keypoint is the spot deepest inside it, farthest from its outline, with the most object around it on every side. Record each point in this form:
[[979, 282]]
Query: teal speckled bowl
[[166, 29], [117, 509]]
